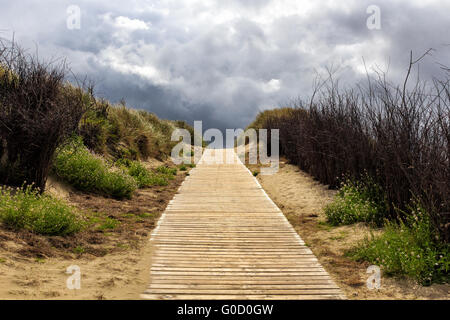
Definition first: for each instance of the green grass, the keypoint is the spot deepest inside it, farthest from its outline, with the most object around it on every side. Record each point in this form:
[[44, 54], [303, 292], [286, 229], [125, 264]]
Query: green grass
[[323, 225], [357, 202], [410, 248], [183, 167], [87, 172], [166, 170], [407, 248], [39, 260], [147, 215], [26, 209], [122, 246], [144, 177], [79, 250], [108, 224]]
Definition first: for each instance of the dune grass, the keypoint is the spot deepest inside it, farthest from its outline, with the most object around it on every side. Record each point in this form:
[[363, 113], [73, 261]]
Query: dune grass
[[25, 208], [410, 248], [87, 172]]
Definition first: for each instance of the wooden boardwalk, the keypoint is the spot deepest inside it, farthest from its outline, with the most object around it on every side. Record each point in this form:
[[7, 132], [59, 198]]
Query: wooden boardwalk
[[222, 237]]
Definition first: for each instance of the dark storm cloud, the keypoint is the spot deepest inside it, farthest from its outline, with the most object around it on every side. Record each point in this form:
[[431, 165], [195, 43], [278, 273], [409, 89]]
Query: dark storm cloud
[[224, 61]]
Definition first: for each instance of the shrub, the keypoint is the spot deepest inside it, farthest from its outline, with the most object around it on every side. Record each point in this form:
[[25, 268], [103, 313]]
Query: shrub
[[26, 209], [399, 137], [95, 128], [166, 170], [87, 172], [108, 224], [357, 202], [145, 178], [409, 248], [183, 167], [37, 112]]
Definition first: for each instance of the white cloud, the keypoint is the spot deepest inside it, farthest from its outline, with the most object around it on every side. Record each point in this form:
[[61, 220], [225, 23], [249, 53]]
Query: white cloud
[[130, 24], [272, 86]]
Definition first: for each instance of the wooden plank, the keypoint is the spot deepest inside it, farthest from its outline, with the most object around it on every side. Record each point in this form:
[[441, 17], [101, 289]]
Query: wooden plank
[[221, 237], [245, 291], [243, 286]]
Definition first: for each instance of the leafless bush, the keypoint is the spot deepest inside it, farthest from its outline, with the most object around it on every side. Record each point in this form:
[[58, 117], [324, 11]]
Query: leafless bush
[[37, 112], [400, 137]]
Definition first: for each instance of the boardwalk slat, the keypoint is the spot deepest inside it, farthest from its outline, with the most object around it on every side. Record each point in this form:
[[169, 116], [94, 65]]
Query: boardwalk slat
[[221, 237]]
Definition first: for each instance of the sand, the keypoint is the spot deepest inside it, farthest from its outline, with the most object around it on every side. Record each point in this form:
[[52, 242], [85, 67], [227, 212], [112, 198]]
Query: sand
[[28, 272], [302, 200], [116, 276]]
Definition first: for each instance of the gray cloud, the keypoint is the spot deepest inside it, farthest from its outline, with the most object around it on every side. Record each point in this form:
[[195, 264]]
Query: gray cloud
[[224, 61]]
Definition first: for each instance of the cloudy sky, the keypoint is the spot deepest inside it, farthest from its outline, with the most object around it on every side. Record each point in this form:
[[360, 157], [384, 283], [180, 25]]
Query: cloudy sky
[[223, 61]]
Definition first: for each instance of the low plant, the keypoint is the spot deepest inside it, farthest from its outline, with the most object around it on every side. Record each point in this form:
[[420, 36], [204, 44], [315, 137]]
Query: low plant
[[108, 224], [357, 201], [87, 172], [412, 248], [79, 250], [167, 170], [25, 208], [144, 177]]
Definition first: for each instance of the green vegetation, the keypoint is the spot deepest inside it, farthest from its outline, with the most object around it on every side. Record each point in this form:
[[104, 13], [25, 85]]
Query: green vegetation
[[166, 170], [183, 167], [357, 201], [255, 173], [409, 248], [144, 177], [25, 208], [87, 172], [266, 116], [121, 132], [79, 250], [108, 224]]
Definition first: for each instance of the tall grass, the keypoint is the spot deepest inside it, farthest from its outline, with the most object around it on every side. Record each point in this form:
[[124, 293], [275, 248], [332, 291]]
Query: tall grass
[[75, 164], [122, 132]]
